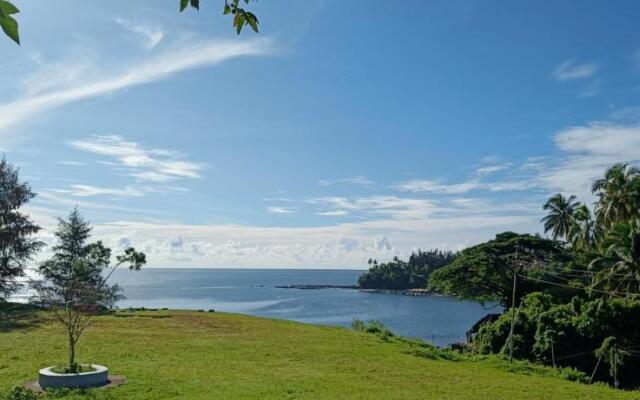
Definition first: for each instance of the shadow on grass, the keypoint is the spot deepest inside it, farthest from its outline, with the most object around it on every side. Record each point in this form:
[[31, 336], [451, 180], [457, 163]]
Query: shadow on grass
[[18, 316]]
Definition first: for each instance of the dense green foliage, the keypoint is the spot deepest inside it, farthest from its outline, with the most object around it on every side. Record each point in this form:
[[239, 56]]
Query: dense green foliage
[[576, 331], [17, 245], [78, 271], [189, 355], [486, 272], [581, 304], [241, 17], [398, 274]]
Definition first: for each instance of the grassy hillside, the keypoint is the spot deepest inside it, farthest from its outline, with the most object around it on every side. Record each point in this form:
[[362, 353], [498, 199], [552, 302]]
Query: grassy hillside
[[191, 355]]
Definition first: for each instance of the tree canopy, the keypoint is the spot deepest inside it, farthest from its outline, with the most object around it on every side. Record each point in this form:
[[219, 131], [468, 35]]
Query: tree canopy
[[486, 272], [17, 230], [398, 274]]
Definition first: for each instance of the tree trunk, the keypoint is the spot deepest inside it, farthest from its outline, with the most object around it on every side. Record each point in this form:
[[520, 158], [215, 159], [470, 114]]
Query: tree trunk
[[72, 351]]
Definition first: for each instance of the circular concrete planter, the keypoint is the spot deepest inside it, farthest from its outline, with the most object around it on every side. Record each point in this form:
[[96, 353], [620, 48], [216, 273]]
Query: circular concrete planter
[[50, 379]]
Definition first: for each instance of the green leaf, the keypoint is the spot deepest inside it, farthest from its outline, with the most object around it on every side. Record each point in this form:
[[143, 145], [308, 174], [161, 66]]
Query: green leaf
[[183, 4], [10, 27], [252, 20], [8, 8], [227, 9], [240, 22]]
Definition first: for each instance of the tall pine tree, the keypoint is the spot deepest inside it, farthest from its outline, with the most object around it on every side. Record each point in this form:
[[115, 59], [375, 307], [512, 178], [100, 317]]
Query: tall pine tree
[[17, 242]]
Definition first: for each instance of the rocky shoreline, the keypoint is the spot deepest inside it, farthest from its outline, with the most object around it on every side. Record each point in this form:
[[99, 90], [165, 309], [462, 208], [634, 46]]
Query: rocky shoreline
[[404, 292], [316, 287]]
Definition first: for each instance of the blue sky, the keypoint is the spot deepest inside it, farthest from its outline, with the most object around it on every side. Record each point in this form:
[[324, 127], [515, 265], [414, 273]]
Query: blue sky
[[344, 130]]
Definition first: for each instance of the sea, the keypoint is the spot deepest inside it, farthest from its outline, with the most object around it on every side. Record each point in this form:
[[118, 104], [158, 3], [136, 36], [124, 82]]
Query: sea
[[441, 320]]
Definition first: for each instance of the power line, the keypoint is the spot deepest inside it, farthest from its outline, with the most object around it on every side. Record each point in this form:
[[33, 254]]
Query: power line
[[567, 269], [580, 288], [562, 278], [569, 356], [578, 271]]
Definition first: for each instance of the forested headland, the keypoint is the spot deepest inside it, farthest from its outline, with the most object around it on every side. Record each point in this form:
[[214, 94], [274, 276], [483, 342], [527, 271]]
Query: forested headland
[[398, 274], [571, 299]]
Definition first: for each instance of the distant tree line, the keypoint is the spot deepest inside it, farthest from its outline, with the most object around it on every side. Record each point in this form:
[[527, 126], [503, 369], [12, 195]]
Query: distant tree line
[[398, 274]]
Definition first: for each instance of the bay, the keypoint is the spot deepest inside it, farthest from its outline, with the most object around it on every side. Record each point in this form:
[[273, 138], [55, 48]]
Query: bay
[[439, 319]]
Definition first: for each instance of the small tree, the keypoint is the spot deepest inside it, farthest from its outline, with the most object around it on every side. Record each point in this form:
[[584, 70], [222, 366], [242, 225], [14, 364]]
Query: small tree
[[17, 245], [75, 279]]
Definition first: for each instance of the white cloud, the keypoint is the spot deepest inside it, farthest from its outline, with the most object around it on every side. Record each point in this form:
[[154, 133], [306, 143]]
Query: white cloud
[[63, 90], [281, 210], [58, 75], [491, 169], [354, 180], [151, 35], [382, 244], [89, 190], [381, 206], [571, 70], [72, 163], [145, 164], [80, 190], [334, 213], [431, 186], [589, 150], [59, 204]]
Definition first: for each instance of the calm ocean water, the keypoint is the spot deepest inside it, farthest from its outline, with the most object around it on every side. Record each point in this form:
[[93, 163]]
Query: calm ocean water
[[251, 291]]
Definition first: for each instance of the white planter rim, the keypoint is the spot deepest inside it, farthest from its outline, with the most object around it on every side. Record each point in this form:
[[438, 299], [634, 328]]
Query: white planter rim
[[100, 377], [97, 370]]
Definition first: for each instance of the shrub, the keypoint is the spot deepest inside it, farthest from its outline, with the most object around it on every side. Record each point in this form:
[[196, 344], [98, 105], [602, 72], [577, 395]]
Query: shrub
[[20, 393], [372, 326], [357, 324]]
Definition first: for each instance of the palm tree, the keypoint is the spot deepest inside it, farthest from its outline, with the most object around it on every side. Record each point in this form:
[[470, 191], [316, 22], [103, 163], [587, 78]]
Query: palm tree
[[559, 219], [618, 268], [618, 194], [582, 232]]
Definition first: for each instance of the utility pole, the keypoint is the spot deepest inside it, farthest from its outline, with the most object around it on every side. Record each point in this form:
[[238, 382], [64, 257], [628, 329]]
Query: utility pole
[[595, 369], [553, 355], [615, 366], [513, 306]]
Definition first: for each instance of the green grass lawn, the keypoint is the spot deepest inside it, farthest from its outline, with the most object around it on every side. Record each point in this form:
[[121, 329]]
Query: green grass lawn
[[191, 355]]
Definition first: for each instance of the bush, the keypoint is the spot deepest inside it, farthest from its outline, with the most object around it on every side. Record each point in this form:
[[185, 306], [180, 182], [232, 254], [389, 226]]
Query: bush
[[357, 324], [375, 327], [74, 368], [20, 393]]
